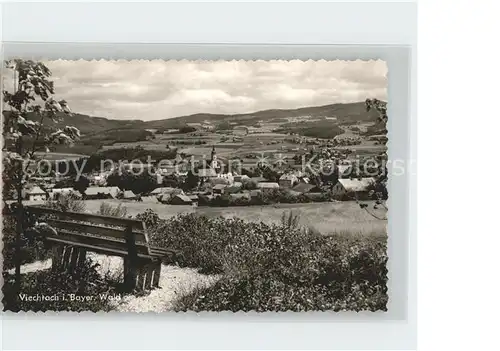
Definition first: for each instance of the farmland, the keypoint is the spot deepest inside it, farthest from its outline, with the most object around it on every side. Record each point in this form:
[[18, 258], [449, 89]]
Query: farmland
[[262, 131], [325, 217]]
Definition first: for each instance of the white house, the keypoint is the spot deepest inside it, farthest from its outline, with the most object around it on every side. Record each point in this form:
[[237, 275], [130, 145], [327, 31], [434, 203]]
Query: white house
[[288, 180], [101, 192], [267, 186], [358, 188], [37, 194]]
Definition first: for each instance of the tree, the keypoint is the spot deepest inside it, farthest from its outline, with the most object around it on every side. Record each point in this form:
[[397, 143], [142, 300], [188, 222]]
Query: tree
[[27, 107], [192, 180], [139, 184], [378, 191], [81, 184], [270, 174], [378, 105]]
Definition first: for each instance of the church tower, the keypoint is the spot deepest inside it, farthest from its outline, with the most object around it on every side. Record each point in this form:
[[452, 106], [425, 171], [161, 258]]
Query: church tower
[[213, 161], [213, 156]]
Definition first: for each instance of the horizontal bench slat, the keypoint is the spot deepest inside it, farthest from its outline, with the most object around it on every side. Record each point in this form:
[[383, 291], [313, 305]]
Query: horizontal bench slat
[[161, 252], [87, 217], [96, 249], [77, 239], [94, 229]]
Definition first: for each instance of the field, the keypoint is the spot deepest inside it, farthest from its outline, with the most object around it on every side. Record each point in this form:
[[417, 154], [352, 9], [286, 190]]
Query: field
[[54, 156], [324, 217]]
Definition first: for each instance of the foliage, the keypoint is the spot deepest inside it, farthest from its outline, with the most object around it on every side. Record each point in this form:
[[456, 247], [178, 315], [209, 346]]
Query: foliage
[[117, 135], [290, 220], [379, 106], [249, 185], [66, 202], [81, 184], [191, 182], [31, 250], [379, 190], [24, 120], [267, 197], [87, 282], [150, 219], [271, 267], [27, 107], [323, 129], [270, 174], [223, 126], [109, 210], [137, 153], [139, 183], [186, 129]]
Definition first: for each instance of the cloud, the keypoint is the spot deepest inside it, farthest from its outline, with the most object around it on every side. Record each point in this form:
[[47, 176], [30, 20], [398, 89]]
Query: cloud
[[162, 89]]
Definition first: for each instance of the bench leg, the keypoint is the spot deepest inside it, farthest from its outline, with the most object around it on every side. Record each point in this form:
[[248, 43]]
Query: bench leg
[[149, 276], [81, 258], [73, 260], [57, 252], [66, 257], [156, 274], [141, 276], [129, 274]]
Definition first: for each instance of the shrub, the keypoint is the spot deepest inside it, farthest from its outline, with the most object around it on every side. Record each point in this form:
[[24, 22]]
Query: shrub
[[107, 209], [150, 219], [31, 250], [321, 274], [276, 267], [66, 202], [61, 287]]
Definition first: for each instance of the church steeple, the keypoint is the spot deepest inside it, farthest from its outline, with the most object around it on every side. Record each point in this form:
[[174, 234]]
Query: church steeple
[[213, 155], [213, 161]]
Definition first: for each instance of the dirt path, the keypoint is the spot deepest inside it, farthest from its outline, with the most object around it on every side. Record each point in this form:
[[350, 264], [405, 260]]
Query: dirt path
[[174, 282]]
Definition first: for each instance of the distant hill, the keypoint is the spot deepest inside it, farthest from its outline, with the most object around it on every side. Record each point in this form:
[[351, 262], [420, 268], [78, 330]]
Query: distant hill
[[343, 112], [88, 124], [98, 131]]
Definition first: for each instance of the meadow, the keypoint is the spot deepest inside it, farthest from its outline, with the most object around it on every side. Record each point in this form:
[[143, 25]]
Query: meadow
[[327, 218]]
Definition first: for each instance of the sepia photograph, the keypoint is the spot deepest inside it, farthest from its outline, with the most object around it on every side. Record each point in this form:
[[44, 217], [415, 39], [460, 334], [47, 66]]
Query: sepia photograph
[[171, 186]]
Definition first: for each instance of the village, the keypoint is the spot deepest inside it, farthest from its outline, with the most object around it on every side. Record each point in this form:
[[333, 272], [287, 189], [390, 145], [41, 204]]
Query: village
[[219, 183]]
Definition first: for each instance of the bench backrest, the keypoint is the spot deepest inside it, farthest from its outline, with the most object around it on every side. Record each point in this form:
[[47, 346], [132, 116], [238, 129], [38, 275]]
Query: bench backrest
[[110, 235]]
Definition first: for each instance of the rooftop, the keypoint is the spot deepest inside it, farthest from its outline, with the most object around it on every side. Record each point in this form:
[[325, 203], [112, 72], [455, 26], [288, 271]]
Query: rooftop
[[357, 184]]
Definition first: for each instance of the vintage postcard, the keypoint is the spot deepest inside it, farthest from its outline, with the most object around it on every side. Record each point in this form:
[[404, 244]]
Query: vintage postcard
[[162, 186]]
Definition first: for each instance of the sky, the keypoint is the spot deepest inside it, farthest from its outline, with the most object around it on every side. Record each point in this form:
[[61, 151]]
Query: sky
[[150, 90]]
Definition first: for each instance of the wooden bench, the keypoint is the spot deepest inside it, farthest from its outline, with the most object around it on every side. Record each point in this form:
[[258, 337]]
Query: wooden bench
[[78, 233]]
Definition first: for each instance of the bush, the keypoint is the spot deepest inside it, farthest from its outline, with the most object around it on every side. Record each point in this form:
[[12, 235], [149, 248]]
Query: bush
[[61, 287], [31, 249], [67, 203], [323, 274], [276, 267], [107, 209]]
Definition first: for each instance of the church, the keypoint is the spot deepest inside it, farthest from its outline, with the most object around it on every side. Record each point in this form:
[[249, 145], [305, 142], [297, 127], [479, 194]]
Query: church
[[215, 171], [215, 164]]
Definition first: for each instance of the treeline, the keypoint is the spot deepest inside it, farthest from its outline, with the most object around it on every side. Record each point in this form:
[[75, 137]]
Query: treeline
[[323, 129], [93, 162], [112, 136], [267, 197]]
